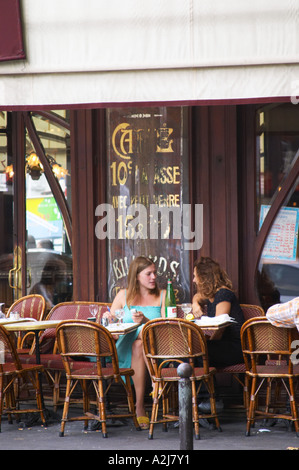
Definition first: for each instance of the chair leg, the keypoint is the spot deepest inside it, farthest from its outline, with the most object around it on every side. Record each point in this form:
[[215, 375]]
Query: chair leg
[[85, 401], [211, 389], [10, 403], [65, 407], [56, 389], [195, 410], [293, 406], [102, 408], [39, 396], [268, 395], [246, 392], [165, 404], [251, 409], [155, 407]]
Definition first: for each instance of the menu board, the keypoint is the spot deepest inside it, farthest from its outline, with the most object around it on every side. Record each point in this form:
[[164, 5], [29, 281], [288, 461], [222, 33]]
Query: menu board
[[282, 240], [147, 184]]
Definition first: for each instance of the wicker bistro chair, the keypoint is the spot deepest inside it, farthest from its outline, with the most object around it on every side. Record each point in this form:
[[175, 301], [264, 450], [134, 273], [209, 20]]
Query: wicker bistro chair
[[50, 357], [30, 306], [166, 344], [11, 373], [238, 371], [88, 339], [75, 310], [260, 340]]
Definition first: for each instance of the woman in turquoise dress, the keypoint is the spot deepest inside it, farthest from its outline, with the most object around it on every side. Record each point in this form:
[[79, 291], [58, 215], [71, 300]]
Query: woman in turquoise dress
[[142, 301]]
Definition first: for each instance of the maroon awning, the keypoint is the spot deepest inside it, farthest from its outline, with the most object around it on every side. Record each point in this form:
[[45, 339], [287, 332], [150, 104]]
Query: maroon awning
[[11, 39]]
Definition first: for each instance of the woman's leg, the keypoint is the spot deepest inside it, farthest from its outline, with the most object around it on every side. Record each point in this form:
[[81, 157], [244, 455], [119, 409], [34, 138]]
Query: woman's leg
[[139, 377], [224, 353]]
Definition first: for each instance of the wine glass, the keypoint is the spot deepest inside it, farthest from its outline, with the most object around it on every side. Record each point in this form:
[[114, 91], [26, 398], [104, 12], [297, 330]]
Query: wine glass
[[93, 310], [187, 308], [120, 316]]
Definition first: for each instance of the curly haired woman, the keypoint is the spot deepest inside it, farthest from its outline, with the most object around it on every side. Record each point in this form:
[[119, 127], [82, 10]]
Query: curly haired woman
[[214, 289]]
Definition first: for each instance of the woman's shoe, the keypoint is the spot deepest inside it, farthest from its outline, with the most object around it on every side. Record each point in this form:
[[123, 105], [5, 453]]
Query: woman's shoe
[[143, 422]]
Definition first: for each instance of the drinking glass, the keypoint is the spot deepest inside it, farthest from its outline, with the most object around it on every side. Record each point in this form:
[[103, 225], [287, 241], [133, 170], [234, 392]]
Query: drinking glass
[[120, 316], [93, 310], [187, 308], [14, 315], [105, 321]]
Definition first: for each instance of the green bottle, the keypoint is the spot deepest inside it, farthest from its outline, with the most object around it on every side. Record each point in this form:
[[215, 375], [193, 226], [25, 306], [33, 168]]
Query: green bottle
[[170, 303]]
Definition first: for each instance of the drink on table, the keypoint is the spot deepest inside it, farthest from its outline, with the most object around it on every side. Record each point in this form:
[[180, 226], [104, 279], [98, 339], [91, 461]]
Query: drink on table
[[170, 302], [120, 313], [187, 308]]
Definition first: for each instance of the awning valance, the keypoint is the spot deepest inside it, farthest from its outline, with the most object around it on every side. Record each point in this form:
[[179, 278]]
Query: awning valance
[[100, 52]]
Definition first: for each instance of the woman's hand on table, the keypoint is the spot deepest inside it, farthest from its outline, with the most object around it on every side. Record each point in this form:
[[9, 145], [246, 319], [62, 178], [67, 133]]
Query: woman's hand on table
[[196, 308], [138, 317], [111, 317]]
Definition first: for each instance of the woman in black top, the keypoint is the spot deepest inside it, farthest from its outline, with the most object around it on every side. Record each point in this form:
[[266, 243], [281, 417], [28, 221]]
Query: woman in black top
[[214, 290]]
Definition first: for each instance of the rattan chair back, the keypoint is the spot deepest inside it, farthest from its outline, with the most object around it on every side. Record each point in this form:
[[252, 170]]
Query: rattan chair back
[[84, 339], [29, 306], [261, 339], [76, 310], [173, 340], [252, 311]]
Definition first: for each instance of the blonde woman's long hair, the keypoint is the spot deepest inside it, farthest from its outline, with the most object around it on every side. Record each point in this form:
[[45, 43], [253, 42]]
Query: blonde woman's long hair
[[138, 264], [210, 277]]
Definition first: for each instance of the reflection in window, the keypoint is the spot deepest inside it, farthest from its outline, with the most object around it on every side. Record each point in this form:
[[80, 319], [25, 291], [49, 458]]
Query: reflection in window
[[3, 119], [6, 167], [53, 131], [49, 260], [277, 140], [7, 293]]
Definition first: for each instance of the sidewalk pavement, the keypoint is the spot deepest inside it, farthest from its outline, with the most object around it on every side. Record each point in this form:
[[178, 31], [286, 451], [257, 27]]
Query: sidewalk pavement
[[124, 439]]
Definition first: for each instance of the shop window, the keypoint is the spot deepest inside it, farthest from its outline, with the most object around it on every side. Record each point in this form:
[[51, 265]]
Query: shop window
[[49, 258], [277, 143]]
